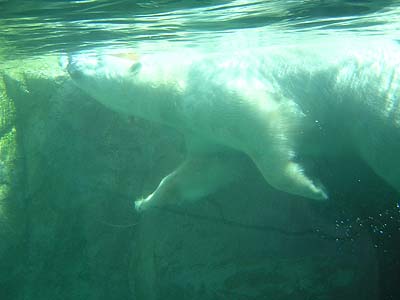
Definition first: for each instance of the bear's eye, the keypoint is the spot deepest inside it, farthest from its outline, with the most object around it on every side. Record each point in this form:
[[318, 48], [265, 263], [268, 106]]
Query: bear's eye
[[135, 68]]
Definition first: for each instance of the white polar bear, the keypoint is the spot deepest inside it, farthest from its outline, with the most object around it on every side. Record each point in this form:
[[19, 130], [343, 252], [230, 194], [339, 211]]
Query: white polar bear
[[271, 104]]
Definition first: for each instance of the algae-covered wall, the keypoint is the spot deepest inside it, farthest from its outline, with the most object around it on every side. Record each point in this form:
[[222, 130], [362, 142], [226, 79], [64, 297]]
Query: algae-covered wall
[[7, 147], [11, 215], [69, 172]]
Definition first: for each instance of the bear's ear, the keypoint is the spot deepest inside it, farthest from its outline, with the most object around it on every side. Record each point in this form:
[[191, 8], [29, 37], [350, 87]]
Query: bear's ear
[[135, 68]]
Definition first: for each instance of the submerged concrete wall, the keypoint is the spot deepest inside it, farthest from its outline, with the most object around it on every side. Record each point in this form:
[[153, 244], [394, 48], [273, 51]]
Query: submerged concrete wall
[[70, 170]]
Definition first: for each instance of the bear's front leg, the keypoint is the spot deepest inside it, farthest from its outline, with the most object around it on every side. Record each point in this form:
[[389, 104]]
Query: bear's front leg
[[195, 178]]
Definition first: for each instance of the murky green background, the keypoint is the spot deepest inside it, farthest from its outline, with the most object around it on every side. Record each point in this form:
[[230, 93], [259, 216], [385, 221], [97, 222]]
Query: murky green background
[[70, 169]]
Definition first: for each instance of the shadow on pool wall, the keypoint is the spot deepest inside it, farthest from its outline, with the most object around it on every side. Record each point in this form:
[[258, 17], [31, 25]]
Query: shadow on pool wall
[[71, 231]]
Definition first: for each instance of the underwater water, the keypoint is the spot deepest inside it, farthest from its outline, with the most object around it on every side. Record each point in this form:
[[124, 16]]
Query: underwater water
[[72, 163]]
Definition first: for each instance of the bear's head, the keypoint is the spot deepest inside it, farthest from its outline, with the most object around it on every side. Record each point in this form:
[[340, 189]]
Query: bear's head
[[141, 86]]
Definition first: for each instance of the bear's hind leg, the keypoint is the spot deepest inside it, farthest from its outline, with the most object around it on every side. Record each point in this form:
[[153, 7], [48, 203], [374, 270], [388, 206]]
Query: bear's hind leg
[[196, 177], [281, 172], [278, 125]]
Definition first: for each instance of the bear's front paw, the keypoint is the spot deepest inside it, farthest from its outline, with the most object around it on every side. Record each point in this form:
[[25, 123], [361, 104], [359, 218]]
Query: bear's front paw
[[143, 203], [139, 205]]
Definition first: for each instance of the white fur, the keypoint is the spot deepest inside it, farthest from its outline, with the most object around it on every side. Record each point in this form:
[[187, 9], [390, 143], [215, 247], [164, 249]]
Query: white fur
[[270, 104]]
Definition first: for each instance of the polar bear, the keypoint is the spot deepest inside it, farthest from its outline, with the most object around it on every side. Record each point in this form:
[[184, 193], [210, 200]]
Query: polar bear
[[272, 105]]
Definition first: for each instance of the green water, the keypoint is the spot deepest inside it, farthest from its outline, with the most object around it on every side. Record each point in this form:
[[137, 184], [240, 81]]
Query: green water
[[70, 168]]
